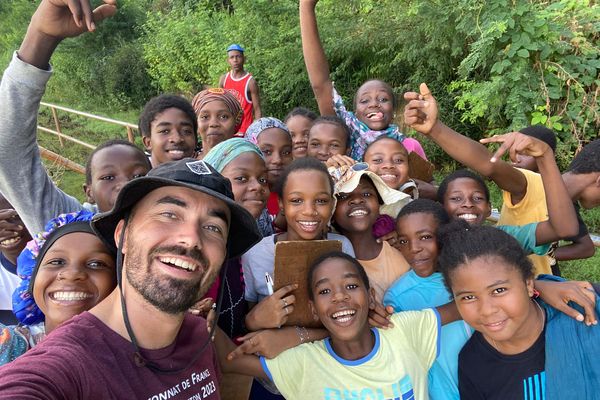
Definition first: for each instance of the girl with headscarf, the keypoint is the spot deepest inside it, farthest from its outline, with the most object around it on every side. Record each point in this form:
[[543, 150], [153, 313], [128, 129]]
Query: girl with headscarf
[[64, 271], [274, 140], [219, 115]]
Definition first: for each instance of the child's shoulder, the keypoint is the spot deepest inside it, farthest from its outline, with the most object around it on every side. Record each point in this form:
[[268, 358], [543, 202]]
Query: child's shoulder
[[410, 322]]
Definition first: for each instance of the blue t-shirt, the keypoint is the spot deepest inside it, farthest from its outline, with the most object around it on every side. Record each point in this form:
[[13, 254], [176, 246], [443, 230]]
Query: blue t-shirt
[[412, 292]]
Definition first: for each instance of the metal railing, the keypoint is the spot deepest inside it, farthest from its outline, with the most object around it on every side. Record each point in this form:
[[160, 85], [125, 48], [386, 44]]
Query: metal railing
[[57, 131]]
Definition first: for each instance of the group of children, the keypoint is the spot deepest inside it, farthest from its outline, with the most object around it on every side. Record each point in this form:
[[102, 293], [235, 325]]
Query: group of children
[[416, 258]]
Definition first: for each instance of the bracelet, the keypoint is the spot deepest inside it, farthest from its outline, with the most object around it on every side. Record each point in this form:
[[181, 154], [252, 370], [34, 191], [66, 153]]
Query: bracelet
[[302, 333]]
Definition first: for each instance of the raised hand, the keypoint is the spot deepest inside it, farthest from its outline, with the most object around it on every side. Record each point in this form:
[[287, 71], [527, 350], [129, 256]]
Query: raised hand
[[517, 143], [69, 18], [421, 111], [55, 20]]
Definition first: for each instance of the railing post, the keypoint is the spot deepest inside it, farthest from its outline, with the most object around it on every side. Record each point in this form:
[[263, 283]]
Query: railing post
[[130, 135], [57, 124]]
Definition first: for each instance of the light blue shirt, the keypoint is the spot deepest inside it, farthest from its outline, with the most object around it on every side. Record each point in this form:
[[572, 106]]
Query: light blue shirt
[[412, 292]]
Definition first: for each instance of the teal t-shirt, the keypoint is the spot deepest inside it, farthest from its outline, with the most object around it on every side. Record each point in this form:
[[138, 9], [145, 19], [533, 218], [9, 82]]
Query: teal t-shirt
[[412, 292], [525, 235]]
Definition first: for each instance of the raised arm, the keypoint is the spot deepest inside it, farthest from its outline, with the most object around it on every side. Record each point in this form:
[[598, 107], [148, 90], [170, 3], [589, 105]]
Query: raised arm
[[562, 220], [23, 178], [255, 96], [314, 57], [421, 114]]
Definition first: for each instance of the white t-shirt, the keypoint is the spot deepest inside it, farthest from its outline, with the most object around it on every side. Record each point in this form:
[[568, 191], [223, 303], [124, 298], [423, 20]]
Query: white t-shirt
[[8, 284]]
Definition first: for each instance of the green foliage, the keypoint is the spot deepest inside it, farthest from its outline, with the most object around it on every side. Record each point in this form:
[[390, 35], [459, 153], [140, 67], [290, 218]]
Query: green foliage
[[104, 70], [494, 66], [18, 12], [533, 63]]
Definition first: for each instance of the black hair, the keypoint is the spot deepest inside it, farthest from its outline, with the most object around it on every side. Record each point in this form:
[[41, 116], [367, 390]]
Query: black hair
[[301, 164], [425, 206], [340, 255], [160, 103], [462, 173], [301, 112], [587, 160], [385, 137], [460, 243], [387, 87], [335, 121], [542, 133], [110, 143]]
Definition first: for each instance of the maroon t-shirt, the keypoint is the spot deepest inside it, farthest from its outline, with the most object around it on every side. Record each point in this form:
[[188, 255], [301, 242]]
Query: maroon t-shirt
[[85, 359]]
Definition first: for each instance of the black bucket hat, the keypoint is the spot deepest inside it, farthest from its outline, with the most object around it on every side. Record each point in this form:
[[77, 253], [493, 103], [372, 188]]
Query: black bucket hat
[[189, 173]]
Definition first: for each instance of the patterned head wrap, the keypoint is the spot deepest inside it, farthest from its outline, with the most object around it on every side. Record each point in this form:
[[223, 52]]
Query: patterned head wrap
[[28, 262], [229, 97], [227, 151], [258, 126]]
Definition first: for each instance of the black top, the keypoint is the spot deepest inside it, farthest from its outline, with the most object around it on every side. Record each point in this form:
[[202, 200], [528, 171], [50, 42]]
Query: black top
[[485, 373]]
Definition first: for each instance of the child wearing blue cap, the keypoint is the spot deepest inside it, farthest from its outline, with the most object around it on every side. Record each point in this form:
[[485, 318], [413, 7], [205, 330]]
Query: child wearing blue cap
[[244, 84]]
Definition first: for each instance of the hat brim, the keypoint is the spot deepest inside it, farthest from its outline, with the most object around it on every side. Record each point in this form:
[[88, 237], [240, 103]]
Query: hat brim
[[243, 230]]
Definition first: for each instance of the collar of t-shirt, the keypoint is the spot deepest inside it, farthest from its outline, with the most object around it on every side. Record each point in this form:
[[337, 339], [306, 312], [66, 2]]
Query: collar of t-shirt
[[7, 265]]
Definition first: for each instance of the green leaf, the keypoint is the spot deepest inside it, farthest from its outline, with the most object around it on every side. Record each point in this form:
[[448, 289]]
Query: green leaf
[[524, 53]]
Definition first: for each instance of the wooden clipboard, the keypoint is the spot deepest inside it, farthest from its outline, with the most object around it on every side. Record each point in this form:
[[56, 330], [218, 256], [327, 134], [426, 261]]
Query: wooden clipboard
[[292, 261], [419, 168]]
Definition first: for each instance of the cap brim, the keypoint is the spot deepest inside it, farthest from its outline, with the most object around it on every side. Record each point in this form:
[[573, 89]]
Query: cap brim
[[243, 230], [393, 200]]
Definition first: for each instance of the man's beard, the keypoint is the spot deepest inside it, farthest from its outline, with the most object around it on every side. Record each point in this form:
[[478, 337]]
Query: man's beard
[[169, 295]]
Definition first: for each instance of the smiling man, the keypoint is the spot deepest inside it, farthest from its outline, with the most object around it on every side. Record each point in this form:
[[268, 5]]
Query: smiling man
[[173, 228]]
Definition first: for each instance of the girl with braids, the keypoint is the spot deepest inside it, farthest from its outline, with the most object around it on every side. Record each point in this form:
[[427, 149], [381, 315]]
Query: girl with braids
[[523, 348]]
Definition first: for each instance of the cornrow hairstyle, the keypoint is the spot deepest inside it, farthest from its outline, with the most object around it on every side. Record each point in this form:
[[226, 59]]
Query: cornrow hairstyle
[[425, 206], [300, 112], [542, 133], [461, 243], [302, 164], [387, 87], [588, 159], [110, 143], [461, 173], [331, 255], [335, 121], [160, 103]]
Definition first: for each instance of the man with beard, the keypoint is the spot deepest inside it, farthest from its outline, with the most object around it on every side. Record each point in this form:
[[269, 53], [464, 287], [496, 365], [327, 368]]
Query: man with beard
[[173, 229]]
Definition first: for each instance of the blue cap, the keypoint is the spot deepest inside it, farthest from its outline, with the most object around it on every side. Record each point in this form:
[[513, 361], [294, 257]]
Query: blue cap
[[235, 47]]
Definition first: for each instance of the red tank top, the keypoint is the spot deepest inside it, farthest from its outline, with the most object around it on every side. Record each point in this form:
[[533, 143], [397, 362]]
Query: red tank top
[[241, 86]]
